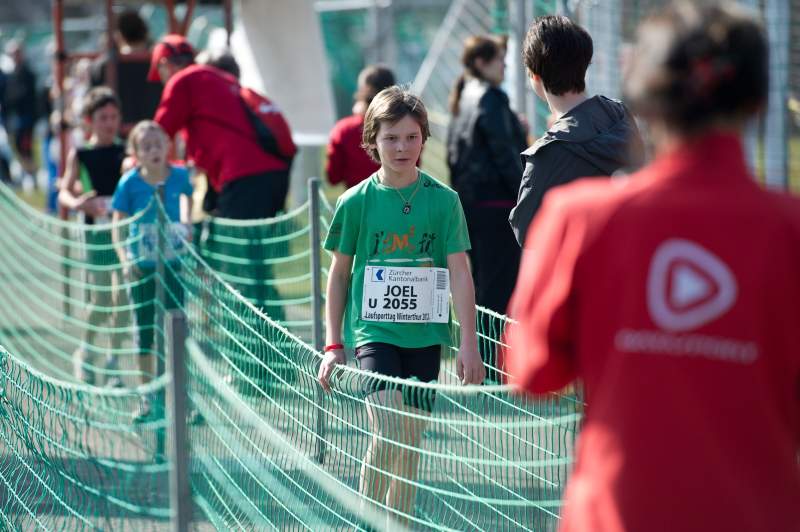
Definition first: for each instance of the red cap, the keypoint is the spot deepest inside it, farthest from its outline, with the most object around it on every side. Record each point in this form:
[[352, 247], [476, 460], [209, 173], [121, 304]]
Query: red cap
[[170, 45]]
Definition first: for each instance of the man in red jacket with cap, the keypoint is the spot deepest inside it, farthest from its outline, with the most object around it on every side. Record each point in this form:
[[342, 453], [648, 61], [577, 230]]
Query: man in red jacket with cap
[[205, 102], [249, 183]]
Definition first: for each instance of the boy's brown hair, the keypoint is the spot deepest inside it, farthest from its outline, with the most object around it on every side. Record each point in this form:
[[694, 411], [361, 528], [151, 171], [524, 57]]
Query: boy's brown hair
[[559, 51], [390, 106], [97, 98]]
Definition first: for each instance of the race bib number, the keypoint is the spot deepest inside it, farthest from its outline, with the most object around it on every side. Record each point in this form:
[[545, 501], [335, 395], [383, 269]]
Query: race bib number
[[148, 242], [105, 201], [406, 295]]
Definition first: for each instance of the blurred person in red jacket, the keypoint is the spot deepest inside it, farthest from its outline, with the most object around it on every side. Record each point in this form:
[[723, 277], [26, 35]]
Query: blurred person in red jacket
[[246, 181], [205, 102], [674, 296], [348, 162]]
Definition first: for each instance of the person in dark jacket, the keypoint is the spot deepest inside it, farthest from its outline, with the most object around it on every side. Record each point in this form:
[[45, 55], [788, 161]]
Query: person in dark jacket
[[21, 106], [483, 145], [591, 136]]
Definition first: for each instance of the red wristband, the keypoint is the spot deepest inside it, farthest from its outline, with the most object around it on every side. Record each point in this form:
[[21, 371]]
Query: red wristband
[[332, 347]]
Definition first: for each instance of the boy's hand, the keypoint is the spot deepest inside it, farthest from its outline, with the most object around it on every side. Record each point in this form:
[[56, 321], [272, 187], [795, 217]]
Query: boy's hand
[[188, 232], [329, 362], [469, 365], [130, 270], [92, 205]]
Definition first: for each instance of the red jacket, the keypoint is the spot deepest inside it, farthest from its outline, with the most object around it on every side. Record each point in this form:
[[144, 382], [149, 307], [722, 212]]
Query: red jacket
[[205, 101], [348, 162], [675, 298]]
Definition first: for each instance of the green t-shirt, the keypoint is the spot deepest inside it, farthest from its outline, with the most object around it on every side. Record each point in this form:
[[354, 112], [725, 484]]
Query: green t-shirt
[[369, 224]]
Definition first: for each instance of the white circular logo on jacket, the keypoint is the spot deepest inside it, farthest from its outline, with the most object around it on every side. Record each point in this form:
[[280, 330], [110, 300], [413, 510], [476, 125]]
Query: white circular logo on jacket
[[688, 286]]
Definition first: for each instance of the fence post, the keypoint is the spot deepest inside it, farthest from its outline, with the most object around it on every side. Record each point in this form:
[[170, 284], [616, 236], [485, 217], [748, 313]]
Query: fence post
[[777, 16], [180, 494], [159, 305], [518, 24], [317, 332], [752, 130], [603, 21]]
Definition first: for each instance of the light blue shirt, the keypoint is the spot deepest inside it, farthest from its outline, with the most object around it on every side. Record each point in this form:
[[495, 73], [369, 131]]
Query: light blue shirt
[[133, 195]]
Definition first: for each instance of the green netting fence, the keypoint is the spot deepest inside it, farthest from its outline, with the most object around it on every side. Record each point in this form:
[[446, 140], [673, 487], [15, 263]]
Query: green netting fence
[[267, 449]]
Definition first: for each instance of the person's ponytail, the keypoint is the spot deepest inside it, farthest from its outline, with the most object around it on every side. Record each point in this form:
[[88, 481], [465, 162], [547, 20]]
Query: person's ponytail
[[455, 94]]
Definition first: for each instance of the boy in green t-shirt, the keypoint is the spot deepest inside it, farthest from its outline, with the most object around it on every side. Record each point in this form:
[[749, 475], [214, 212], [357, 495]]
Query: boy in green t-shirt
[[398, 240]]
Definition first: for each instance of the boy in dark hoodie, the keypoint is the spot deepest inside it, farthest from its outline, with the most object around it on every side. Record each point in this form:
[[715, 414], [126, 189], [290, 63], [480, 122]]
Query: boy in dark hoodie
[[591, 135]]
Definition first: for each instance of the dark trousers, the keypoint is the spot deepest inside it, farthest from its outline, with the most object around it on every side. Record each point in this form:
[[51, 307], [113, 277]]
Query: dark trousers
[[249, 198], [495, 257], [255, 196], [143, 295]]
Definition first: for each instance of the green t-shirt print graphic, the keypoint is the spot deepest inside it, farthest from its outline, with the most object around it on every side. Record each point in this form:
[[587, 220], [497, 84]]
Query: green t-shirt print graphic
[[369, 225]]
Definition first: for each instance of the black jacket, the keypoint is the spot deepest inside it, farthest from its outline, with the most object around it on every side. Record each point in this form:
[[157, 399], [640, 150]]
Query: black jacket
[[20, 93], [596, 138], [483, 145]]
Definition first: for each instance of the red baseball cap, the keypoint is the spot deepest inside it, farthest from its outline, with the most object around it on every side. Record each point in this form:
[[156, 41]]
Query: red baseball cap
[[170, 45]]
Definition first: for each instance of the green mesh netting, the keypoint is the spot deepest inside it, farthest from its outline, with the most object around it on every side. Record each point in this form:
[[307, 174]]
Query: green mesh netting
[[267, 448], [70, 459]]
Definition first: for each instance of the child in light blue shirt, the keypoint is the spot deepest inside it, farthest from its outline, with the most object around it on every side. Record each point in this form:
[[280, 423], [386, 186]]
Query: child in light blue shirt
[[135, 194]]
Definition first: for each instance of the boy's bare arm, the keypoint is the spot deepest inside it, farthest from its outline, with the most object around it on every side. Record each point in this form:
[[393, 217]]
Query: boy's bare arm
[[470, 367], [187, 205], [336, 299], [70, 195], [116, 236]]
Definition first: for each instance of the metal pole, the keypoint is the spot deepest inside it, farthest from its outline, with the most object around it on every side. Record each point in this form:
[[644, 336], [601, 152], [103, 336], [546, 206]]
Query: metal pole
[[752, 131], [180, 494], [518, 22], [603, 21], [162, 226], [60, 74], [187, 16], [316, 262], [111, 47], [317, 332], [169, 5], [59, 67], [228, 7], [386, 43], [776, 126]]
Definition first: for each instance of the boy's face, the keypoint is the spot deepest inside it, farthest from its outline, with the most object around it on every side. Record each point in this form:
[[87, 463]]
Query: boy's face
[[105, 123], [399, 144]]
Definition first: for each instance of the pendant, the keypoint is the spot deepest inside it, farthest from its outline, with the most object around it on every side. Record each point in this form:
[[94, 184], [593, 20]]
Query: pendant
[[406, 208]]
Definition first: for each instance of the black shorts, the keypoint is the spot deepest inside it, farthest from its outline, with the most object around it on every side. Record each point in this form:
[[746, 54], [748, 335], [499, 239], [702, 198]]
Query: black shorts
[[421, 363]]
